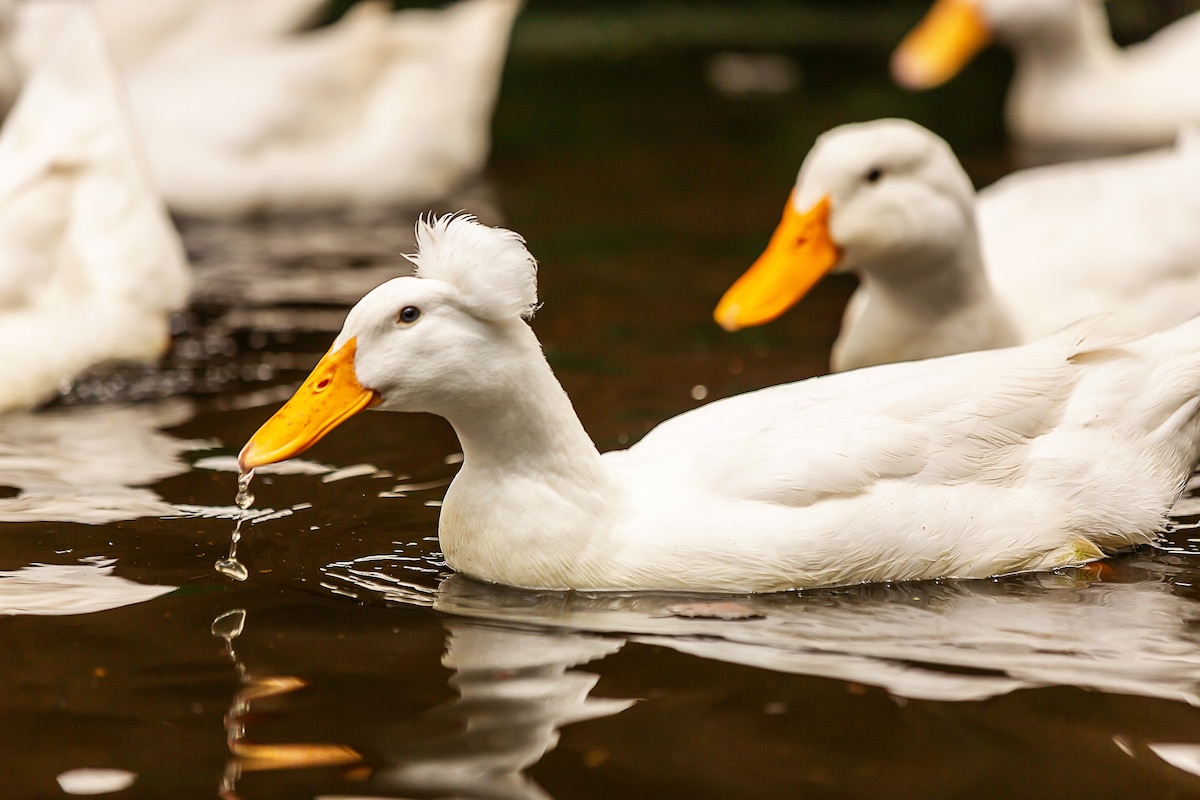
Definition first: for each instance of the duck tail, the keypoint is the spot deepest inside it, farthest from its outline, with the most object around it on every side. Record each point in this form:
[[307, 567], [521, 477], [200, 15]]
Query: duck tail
[[1172, 387]]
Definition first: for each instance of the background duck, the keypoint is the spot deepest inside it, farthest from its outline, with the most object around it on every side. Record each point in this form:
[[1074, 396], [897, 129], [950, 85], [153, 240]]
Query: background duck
[[1073, 88], [90, 265], [941, 273], [968, 466], [379, 108], [10, 72], [139, 32]]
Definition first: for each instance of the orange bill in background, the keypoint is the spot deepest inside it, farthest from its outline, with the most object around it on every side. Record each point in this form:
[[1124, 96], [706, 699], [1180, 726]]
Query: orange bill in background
[[330, 395], [951, 33], [800, 253]]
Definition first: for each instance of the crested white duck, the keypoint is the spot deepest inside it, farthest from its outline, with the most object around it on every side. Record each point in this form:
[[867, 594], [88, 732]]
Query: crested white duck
[[139, 32], [967, 466], [941, 273], [379, 108], [90, 264], [1072, 88]]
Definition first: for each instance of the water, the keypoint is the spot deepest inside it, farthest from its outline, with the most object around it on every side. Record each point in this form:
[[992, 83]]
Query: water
[[350, 662]]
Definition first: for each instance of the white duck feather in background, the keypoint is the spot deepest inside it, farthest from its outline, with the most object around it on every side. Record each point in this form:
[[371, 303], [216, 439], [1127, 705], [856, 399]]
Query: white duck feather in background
[[1073, 88], [139, 32], [942, 273], [1020, 459], [90, 265], [379, 108]]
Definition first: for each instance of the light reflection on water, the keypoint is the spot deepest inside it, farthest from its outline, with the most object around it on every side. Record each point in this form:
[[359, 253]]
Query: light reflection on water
[[63, 589], [91, 465]]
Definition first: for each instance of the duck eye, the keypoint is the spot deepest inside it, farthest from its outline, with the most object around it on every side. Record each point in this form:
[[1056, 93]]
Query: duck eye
[[408, 314], [874, 174]]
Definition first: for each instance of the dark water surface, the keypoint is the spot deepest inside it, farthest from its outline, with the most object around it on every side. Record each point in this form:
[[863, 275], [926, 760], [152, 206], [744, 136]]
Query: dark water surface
[[352, 664]]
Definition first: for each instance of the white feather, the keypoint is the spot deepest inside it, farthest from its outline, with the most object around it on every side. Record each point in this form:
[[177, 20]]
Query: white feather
[[491, 268]]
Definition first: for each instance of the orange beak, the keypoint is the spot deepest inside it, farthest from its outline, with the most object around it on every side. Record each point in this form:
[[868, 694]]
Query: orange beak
[[330, 396], [799, 254], [950, 35]]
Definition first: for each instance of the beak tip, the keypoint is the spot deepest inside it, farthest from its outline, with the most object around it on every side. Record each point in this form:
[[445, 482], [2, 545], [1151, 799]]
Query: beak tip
[[246, 460], [727, 318], [908, 72]]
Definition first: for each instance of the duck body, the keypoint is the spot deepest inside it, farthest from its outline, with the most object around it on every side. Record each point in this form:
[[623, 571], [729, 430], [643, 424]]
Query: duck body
[[141, 32], [945, 271], [967, 466], [1112, 236], [820, 484], [1093, 95], [1072, 88], [90, 265], [378, 108]]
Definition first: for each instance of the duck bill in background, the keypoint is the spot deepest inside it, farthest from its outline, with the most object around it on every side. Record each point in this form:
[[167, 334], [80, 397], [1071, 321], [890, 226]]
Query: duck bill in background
[[800, 253], [942, 43], [328, 397]]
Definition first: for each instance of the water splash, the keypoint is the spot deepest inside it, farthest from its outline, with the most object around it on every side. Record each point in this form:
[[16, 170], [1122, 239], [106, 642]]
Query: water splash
[[229, 566]]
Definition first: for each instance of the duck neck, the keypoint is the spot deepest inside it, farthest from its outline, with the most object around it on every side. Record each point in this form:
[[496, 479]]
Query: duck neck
[[534, 505], [930, 307], [524, 421], [1084, 40], [932, 286]]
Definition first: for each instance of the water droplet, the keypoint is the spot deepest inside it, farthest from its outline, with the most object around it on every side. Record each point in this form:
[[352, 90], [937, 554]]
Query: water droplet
[[229, 566], [244, 499], [232, 568]]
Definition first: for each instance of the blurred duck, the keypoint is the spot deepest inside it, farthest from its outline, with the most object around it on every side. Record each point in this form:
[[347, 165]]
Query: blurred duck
[[1073, 88], [941, 273], [10, 73], [982, 463], [379, 108], [140, 31], [90, 265]]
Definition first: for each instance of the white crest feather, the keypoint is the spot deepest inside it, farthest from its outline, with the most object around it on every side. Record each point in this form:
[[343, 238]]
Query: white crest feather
[[490, 266]]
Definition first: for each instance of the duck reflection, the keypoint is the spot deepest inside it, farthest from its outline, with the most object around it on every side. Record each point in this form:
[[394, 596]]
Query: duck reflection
[[61, 589], [247, 756], [516, 689], [516, 661], [90, 465], [1127, 630], [953, 641]]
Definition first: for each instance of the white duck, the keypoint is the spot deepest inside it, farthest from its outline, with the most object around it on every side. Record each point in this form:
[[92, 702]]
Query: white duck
[[90, 264], [943, 274], [982, 463], [139, 32], [378, 108], [1073, 88]]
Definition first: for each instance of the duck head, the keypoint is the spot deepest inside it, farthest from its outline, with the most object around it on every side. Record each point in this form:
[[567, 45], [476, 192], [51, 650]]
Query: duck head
[[953, 31], [436, 341], [885, 198]]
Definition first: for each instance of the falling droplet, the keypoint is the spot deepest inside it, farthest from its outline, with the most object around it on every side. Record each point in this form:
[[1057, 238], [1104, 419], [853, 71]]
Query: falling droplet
[[244, 499], [229, 566]]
